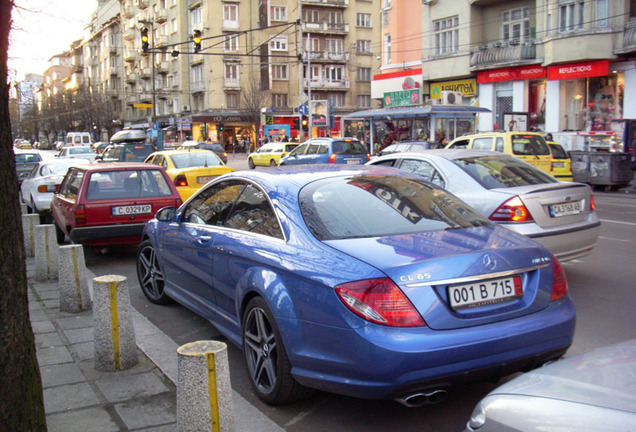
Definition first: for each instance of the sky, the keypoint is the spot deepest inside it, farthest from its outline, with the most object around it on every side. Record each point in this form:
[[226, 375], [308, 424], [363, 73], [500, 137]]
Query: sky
[[43, 28]]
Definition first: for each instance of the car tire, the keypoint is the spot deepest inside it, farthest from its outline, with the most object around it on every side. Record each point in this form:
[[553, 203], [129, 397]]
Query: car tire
[[59, 234], [273, 163], [268, 366], [250, 162], [150, 275]]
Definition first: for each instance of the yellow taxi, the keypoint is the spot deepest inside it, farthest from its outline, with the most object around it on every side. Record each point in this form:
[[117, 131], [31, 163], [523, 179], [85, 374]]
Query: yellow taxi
[[270, 154], [527, 146], [189, 169], [561, 162]]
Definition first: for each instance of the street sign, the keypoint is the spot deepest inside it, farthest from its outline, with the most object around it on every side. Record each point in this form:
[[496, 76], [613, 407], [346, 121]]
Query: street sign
[[142, 106], [303, 98], [302, 109]]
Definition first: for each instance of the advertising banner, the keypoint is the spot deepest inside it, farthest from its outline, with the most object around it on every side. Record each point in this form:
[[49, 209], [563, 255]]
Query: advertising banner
[[319, 110]]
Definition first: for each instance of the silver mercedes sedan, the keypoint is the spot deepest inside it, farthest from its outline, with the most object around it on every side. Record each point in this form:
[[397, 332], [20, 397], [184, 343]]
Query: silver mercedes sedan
[[513, 193], [595, 391]]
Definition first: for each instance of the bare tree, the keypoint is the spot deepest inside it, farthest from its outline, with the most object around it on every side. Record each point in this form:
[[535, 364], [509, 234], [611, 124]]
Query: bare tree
[[253, 98], [21, 401]]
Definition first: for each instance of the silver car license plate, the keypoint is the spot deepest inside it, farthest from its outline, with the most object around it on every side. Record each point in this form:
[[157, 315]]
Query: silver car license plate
[[132, 210], [566, 209], [485, 292], [354, 161]]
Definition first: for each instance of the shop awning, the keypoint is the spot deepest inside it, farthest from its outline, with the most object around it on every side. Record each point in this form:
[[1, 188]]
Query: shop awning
[[418, 111]]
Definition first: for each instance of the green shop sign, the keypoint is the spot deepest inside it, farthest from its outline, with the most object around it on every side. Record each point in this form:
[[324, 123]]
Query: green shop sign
[[402, 98]]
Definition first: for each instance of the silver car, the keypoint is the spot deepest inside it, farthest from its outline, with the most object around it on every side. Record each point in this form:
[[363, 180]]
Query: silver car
[[77, 152], [508, 191], [595, 391]]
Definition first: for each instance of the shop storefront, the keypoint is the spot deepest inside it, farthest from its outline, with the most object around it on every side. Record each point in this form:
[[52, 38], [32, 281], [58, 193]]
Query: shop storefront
[[235, 132]]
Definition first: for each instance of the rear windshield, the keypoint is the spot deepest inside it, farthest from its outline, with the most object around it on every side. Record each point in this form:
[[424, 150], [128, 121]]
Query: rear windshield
[[348, 147], [529, 145], [195, 160], [558, 152], [136, 153], [127, 184], [377, 205], [502, 171], [22, 158]]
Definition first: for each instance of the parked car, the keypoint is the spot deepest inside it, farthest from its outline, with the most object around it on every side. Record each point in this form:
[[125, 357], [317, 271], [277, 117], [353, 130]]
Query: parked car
[[512, 193], [99, 147], [363, 281], [561, 162], [126, 152], [25, 161], [103, 204], [45, 145], [404, 146], [594, 391], [270, 154], [24, 145], [78, 139], [77, 152], [328, 151], [530, 147], [189, 169], [42, 182], [215, 147]]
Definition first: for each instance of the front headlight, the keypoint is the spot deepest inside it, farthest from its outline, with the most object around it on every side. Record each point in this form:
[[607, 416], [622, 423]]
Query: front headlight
[[477, 418]]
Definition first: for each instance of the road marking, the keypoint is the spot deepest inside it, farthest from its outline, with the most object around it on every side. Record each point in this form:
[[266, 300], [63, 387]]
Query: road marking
[[618, 222], [620, 240]]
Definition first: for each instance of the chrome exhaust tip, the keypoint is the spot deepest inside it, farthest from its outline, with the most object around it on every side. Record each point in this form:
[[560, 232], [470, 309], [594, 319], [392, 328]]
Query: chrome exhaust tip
[[431, 397]]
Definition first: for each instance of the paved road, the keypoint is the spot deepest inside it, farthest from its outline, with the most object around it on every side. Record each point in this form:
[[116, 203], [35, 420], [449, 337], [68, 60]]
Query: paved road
[[601, 285]]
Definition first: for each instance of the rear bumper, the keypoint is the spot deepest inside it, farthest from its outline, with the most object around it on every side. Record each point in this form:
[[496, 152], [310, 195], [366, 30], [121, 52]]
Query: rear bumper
[[568, 244], [108, 234]]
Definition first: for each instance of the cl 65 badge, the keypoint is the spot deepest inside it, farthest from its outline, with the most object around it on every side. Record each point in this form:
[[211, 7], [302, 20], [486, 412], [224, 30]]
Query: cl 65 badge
[[415, 277]]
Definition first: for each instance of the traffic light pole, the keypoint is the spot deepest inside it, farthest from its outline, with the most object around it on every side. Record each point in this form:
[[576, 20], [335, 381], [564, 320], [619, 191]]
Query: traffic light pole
[[154, 72]]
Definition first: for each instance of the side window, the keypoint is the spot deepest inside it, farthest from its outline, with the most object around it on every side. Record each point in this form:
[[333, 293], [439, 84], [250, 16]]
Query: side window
[[300, 150], [164, 162], [460, 144], [482, 143], [86, 140], [424, 169], [313, 149], [70, 185], [499, 145], [252, 212], [390, 162], [323, 149], [213, 205]]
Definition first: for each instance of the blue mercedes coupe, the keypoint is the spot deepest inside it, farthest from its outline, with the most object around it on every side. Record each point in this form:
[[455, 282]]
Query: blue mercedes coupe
[[364, 281]]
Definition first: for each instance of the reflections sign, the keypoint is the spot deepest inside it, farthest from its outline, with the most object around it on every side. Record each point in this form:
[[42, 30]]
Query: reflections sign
[[402, 98]]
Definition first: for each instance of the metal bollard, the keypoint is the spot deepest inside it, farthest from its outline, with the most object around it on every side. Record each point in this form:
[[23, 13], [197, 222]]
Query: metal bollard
[[45, 253], [115, 345], [204, 393], [74, 296], [29, 222]]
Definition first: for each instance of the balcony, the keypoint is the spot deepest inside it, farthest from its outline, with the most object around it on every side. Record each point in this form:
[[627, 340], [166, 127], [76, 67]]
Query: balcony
[[131, 100], [502, 54], [161, 41], [197, 86], [146, 73], [113, 93], [113, 72], [323, 84], [161, 17], [230, 25], [128, 12], [142, 4], [145, 97], [330, 57], [325, 27], [328, 3], [131, 78], [162, 67], [130, 57], [231, 84], [629, 39], [130, 34]]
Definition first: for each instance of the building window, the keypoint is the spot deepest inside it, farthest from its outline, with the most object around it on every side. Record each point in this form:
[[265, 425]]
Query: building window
[[232, 73], [571, 16], [337, 100], [196, 21], [602, 13], [516, 25], [280, 72], [335, 20], [334, 73], [197, 101], [364, 101], [363, 20], [174, 26], [364, 47], [197, 74], [279, 100], [364, 74], [334, 46], [173, 80], [279, 44], [232, 99], [446, 35], [230, 16], [278, 13], [175, 105], [387, 49], [313, 45], [310, 15], [231, 43]]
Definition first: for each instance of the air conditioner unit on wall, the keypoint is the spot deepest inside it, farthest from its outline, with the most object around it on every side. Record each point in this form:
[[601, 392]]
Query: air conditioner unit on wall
[[451, 98], [185, 108]]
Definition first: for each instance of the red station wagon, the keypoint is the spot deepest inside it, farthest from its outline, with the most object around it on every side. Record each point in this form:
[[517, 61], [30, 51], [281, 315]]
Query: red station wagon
[[110, 203]]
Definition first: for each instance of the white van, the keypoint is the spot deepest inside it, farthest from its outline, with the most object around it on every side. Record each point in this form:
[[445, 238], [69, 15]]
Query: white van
[[78, 138]]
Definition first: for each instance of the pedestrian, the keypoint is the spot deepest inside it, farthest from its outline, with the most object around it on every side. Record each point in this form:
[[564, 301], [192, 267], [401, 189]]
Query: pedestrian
[[548, 137], [285, 139]]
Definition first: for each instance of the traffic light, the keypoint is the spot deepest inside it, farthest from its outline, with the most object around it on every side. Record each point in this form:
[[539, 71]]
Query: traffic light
[[220, 127], [144, 39], [305, 123], [196, 37], [297, 123]]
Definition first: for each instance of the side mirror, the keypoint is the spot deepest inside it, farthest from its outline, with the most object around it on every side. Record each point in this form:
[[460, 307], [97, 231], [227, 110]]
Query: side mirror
[[166, 214]]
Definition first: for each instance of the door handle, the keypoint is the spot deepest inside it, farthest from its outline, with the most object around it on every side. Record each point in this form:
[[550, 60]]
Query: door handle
[[204, 239]]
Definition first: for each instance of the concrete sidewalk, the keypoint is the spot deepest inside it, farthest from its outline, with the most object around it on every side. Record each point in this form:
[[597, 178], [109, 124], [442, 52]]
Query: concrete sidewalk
[[79, 398]]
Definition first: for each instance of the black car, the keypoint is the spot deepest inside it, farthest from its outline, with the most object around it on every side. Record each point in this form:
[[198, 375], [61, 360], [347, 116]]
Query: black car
[[215, 147], [405, 146], [25, 161], [126, 152]]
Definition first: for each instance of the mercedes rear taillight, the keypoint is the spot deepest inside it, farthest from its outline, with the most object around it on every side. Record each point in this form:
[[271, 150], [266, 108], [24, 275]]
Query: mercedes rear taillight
[[512, 210], [559, 281], [380, 301]]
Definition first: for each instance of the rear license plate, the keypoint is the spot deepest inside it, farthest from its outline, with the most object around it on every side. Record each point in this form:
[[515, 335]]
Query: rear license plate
[[205, 179], [485, 292], [558, 164], [132, 210], [354, 161], [565, 209]]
